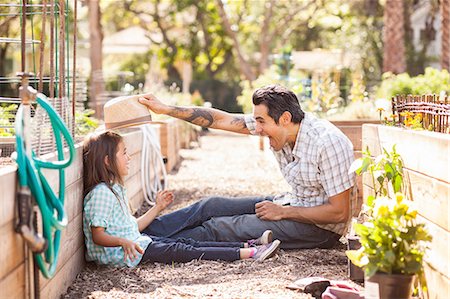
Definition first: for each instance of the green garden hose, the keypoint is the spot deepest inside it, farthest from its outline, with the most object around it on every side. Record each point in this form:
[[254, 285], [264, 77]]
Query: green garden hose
[[54, 218]]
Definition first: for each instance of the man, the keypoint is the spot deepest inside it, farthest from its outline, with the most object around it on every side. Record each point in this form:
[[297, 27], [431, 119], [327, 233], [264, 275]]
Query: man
[[314, 157]]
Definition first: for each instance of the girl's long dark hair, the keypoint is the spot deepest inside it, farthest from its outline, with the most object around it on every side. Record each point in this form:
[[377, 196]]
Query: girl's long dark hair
[[95, 148]]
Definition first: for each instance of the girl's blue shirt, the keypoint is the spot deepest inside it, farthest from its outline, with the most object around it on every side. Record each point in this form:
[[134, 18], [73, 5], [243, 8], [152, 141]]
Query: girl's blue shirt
[[102, 208]]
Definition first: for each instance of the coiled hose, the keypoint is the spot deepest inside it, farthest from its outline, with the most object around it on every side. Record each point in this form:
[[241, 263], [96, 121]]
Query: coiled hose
[[151, 161], [54, 218]]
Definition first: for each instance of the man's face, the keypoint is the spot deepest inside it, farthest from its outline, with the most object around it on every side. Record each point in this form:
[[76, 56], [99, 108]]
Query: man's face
[[266, 126]]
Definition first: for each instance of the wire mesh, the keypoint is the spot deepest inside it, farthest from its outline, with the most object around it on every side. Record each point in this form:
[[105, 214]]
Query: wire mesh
[[70, 94]]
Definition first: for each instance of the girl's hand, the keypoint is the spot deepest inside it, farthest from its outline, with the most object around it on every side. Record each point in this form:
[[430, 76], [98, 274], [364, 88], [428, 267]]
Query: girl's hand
[[131, 249], [163, 199]]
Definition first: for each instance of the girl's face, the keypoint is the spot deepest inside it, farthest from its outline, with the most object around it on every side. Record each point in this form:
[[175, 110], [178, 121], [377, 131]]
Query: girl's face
[[123, 160]]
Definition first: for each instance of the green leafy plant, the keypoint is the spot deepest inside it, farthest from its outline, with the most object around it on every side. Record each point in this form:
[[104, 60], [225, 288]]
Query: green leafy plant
[[432, 81], [7, 115], [385, 170], [391, 241], [84, 122]]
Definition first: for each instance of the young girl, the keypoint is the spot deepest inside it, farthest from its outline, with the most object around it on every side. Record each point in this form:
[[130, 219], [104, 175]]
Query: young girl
[[113, 235]]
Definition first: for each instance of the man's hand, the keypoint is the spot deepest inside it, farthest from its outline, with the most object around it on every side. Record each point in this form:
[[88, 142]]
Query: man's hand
[[267, 210], [163, 199], [131, 249], [154, 104]]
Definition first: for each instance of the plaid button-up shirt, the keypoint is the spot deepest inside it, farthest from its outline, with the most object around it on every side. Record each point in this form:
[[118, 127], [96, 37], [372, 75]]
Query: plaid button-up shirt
[[317, 167], [103, 209]]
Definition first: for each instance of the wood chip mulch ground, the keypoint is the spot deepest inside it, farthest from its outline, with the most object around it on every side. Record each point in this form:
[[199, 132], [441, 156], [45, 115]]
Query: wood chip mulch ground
[[229, 165]]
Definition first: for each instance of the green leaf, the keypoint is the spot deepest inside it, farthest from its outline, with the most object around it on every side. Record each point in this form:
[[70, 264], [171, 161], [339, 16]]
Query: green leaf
[[370, 200], [356, 166], [397, 184]]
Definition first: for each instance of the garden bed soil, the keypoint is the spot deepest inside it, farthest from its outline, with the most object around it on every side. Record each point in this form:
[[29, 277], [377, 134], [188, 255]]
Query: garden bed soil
[[229, 165]]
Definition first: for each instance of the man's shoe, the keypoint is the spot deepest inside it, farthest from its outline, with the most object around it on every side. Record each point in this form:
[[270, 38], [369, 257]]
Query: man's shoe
[[265, 238], [264, 252]]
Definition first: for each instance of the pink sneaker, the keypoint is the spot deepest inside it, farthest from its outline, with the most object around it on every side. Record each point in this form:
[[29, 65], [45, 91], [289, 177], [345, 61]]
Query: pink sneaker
[[264, 252], [265, 238]]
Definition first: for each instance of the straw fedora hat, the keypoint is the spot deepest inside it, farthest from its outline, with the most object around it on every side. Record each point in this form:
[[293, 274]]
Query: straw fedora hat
[[125, 111]]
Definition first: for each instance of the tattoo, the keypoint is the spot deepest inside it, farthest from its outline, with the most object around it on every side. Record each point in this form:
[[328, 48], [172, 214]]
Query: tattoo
[[239, 121], [197, 116]]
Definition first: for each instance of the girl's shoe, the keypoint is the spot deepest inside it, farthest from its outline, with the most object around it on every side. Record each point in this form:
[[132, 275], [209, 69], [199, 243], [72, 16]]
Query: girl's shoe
[[264, 252], [265, 238]]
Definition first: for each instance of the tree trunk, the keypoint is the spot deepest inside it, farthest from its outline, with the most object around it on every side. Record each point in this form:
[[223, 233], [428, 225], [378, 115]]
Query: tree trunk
[[245, 67], [445, 25], [265, 38], [393, 38], [96, 38]]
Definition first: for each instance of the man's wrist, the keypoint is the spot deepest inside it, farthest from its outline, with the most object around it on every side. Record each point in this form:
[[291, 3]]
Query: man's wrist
[[284, 212]]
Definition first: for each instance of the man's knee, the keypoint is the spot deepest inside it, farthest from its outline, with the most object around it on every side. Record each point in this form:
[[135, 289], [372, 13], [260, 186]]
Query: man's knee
[[213, 200]]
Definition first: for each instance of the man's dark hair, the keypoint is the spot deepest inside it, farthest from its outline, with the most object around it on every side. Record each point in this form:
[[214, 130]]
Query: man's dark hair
[[279, 99]]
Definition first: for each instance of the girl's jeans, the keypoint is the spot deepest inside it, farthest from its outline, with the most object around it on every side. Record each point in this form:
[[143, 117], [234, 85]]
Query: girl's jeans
[[166, 250]]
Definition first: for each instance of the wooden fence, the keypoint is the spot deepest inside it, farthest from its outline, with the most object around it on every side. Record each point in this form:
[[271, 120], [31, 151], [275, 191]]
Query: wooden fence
[[435, 110]]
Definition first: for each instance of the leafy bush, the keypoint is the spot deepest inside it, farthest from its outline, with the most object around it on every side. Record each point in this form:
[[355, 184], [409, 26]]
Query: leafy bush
[[433, 81], [269, 77], [7, 115], [84, 122]]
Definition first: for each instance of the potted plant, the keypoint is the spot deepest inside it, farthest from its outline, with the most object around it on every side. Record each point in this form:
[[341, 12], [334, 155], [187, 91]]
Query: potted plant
[[393, 243], [385, 170]]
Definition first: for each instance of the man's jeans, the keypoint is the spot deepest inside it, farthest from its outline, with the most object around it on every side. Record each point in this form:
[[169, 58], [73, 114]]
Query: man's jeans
[[234, 220]]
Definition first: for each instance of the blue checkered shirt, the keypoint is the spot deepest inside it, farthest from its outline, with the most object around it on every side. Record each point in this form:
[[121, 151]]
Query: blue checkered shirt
[[317, 167], [103, 209]]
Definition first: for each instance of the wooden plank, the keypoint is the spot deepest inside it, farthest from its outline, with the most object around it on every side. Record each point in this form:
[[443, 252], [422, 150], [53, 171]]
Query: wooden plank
[[438, 256], [8, 183], [72, 173], [438, 284], [432, 198], [13, 286], [66, 275], [133, 185], [136, 201], [353, 130], [354, 134], [10, 242], [133, 140], [73, 203], [135, 165], [430, 195], [370, 139], [72, 239], [422, 151]]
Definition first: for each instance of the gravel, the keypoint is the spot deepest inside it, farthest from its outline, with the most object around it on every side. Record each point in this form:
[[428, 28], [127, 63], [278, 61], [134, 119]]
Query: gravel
[[230, 165]]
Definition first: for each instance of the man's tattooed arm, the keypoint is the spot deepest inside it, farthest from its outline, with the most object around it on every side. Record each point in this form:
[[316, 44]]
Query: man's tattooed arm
[[211, 118], [197, 116], [239, 122]]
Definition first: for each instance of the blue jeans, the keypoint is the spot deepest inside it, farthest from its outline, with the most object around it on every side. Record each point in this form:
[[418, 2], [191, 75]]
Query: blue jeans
[[233, 220], [167, 250]]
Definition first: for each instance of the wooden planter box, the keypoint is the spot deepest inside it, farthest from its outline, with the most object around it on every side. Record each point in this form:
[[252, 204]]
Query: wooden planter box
[[426, 157], [353, 130], [170, 144], [71, 255]]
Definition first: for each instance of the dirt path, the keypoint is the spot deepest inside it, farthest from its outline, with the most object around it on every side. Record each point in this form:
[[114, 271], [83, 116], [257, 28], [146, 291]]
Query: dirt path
[[228, 165]]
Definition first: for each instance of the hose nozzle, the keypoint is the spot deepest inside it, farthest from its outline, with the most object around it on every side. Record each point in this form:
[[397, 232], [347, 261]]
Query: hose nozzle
[[34, 241]]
